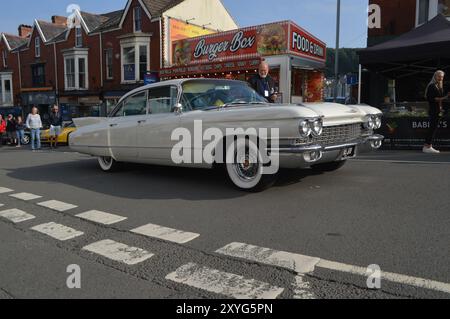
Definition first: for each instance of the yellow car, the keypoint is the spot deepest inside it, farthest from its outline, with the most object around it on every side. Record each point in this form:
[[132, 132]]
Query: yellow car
[[63, 138]]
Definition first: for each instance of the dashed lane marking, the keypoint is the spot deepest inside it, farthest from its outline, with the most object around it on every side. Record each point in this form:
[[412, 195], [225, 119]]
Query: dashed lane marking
[[4, 190], [298, 263], [101, 217], [119, 252], [164, 233], [223, 283], [392, 277], [16, 215], [57, 205], [57, 231], [25, 196], [305, 264]]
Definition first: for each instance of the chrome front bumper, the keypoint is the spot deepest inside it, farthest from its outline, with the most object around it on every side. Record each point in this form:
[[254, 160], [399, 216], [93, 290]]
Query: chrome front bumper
[[307, 155]]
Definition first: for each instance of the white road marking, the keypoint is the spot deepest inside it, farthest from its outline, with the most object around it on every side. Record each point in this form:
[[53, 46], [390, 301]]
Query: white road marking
[[119, 252], [302, 288], [298, 263], [398, 278], [306, 264], [16, 215], [25, 196], [164, 233], [57, 205], [57, 231], [223, 283], [101, 217], [401, 162], [4, 190]]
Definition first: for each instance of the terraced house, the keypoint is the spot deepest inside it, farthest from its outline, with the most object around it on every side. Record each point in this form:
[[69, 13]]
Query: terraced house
[[87, 61]]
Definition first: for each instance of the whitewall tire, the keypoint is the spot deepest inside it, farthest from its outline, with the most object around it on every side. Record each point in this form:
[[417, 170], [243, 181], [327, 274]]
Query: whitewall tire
[[108, 164], [245, 169]]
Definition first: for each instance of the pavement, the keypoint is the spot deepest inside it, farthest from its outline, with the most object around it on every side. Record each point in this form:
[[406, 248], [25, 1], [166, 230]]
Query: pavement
[[160, 232]]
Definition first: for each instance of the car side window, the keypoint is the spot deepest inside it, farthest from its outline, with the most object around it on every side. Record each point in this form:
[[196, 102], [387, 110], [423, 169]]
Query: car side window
[[133, 105], [162, 99]]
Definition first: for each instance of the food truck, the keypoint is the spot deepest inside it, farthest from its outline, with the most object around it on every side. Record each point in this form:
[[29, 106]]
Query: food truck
[[296, 58]]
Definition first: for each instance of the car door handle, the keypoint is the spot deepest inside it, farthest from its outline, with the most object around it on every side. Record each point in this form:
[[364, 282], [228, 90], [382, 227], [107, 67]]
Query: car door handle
[[142, 121], [112, 125]]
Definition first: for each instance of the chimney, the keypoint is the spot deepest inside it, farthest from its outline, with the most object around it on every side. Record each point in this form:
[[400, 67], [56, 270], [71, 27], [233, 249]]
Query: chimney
[[25, 30], [59, 20]]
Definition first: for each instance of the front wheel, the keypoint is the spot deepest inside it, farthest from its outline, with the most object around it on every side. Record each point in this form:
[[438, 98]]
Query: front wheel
[[108, 164], [26, 139], [245, 168], [328, 167]]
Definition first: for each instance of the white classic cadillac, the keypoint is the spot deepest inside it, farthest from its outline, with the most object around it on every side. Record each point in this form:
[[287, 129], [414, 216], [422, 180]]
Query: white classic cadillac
[[210, 123]]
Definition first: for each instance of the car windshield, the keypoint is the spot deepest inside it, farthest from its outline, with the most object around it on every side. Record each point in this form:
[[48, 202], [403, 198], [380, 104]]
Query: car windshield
[[210, 94]]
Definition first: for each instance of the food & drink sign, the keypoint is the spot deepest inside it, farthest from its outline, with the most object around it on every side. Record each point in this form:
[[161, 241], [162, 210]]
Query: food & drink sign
[[248, 43]]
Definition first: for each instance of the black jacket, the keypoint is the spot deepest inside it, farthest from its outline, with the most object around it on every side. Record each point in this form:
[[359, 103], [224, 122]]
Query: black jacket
[[55, 119], [10, 126], [260, 85], [432, 94]]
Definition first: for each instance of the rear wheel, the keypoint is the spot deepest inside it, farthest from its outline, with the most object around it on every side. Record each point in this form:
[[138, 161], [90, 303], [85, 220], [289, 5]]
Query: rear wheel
[[245, 168], [329, 167], [108, 164]]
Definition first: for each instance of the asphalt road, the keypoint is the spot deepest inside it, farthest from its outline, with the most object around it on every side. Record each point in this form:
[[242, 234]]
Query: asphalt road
[[390, 209]]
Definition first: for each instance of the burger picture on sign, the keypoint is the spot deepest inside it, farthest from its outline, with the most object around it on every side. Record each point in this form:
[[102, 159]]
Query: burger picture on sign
[[182, 53], [272, 40]]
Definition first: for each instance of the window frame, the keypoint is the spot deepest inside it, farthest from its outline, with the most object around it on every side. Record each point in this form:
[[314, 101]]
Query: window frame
[[78, 37], [109, 67], [77, 56], [137, 69], [137, 19], [5, 59], [170, 87], [41, 77], [37, 47], [3, 78], [122, 104]]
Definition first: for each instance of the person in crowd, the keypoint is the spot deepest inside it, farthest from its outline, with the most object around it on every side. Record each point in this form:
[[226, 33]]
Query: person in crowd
[[263, 83], [2, 130], [56, 122], [34, 123], [20, 130], [435, 96], [11, 130]]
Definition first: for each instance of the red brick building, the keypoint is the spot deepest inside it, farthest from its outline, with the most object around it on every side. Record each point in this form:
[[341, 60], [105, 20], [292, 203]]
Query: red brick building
[[87, 61]]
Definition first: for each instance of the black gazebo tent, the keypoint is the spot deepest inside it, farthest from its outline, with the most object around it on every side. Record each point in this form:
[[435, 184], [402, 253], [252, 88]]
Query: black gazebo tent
[[418, 52]]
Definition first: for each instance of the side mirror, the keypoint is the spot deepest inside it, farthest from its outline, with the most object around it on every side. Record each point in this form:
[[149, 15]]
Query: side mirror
[[178, 109]]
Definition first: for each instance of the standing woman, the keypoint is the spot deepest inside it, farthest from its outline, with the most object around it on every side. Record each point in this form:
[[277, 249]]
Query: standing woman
[[435, 96], [20, 130], [34, 123]]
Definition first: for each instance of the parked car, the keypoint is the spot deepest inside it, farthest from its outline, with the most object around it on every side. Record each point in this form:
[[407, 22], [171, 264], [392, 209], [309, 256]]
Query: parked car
[[144, 126], [63, 138]]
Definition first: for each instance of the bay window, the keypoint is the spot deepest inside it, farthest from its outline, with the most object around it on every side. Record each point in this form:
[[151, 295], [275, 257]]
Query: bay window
[[6, 90], [135, 59], [76, 70]]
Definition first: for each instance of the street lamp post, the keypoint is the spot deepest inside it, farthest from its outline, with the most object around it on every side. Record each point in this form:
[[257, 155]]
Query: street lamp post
[[336, 62]]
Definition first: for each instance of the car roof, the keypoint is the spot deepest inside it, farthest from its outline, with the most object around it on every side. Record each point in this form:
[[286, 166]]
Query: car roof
[[175, 82]]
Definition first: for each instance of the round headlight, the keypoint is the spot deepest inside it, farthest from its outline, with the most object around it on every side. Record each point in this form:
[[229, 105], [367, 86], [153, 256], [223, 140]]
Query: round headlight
[[305, 128], [370, 122], [377, 122], [317, 127]]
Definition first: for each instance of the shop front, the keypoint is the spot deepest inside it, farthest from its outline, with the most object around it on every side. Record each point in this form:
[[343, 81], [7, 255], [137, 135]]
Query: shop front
[[43, 99], [296, 58], [80, 105]]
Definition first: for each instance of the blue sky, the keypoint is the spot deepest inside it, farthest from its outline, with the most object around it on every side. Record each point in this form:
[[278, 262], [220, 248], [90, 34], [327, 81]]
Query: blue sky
[[316, 16]]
